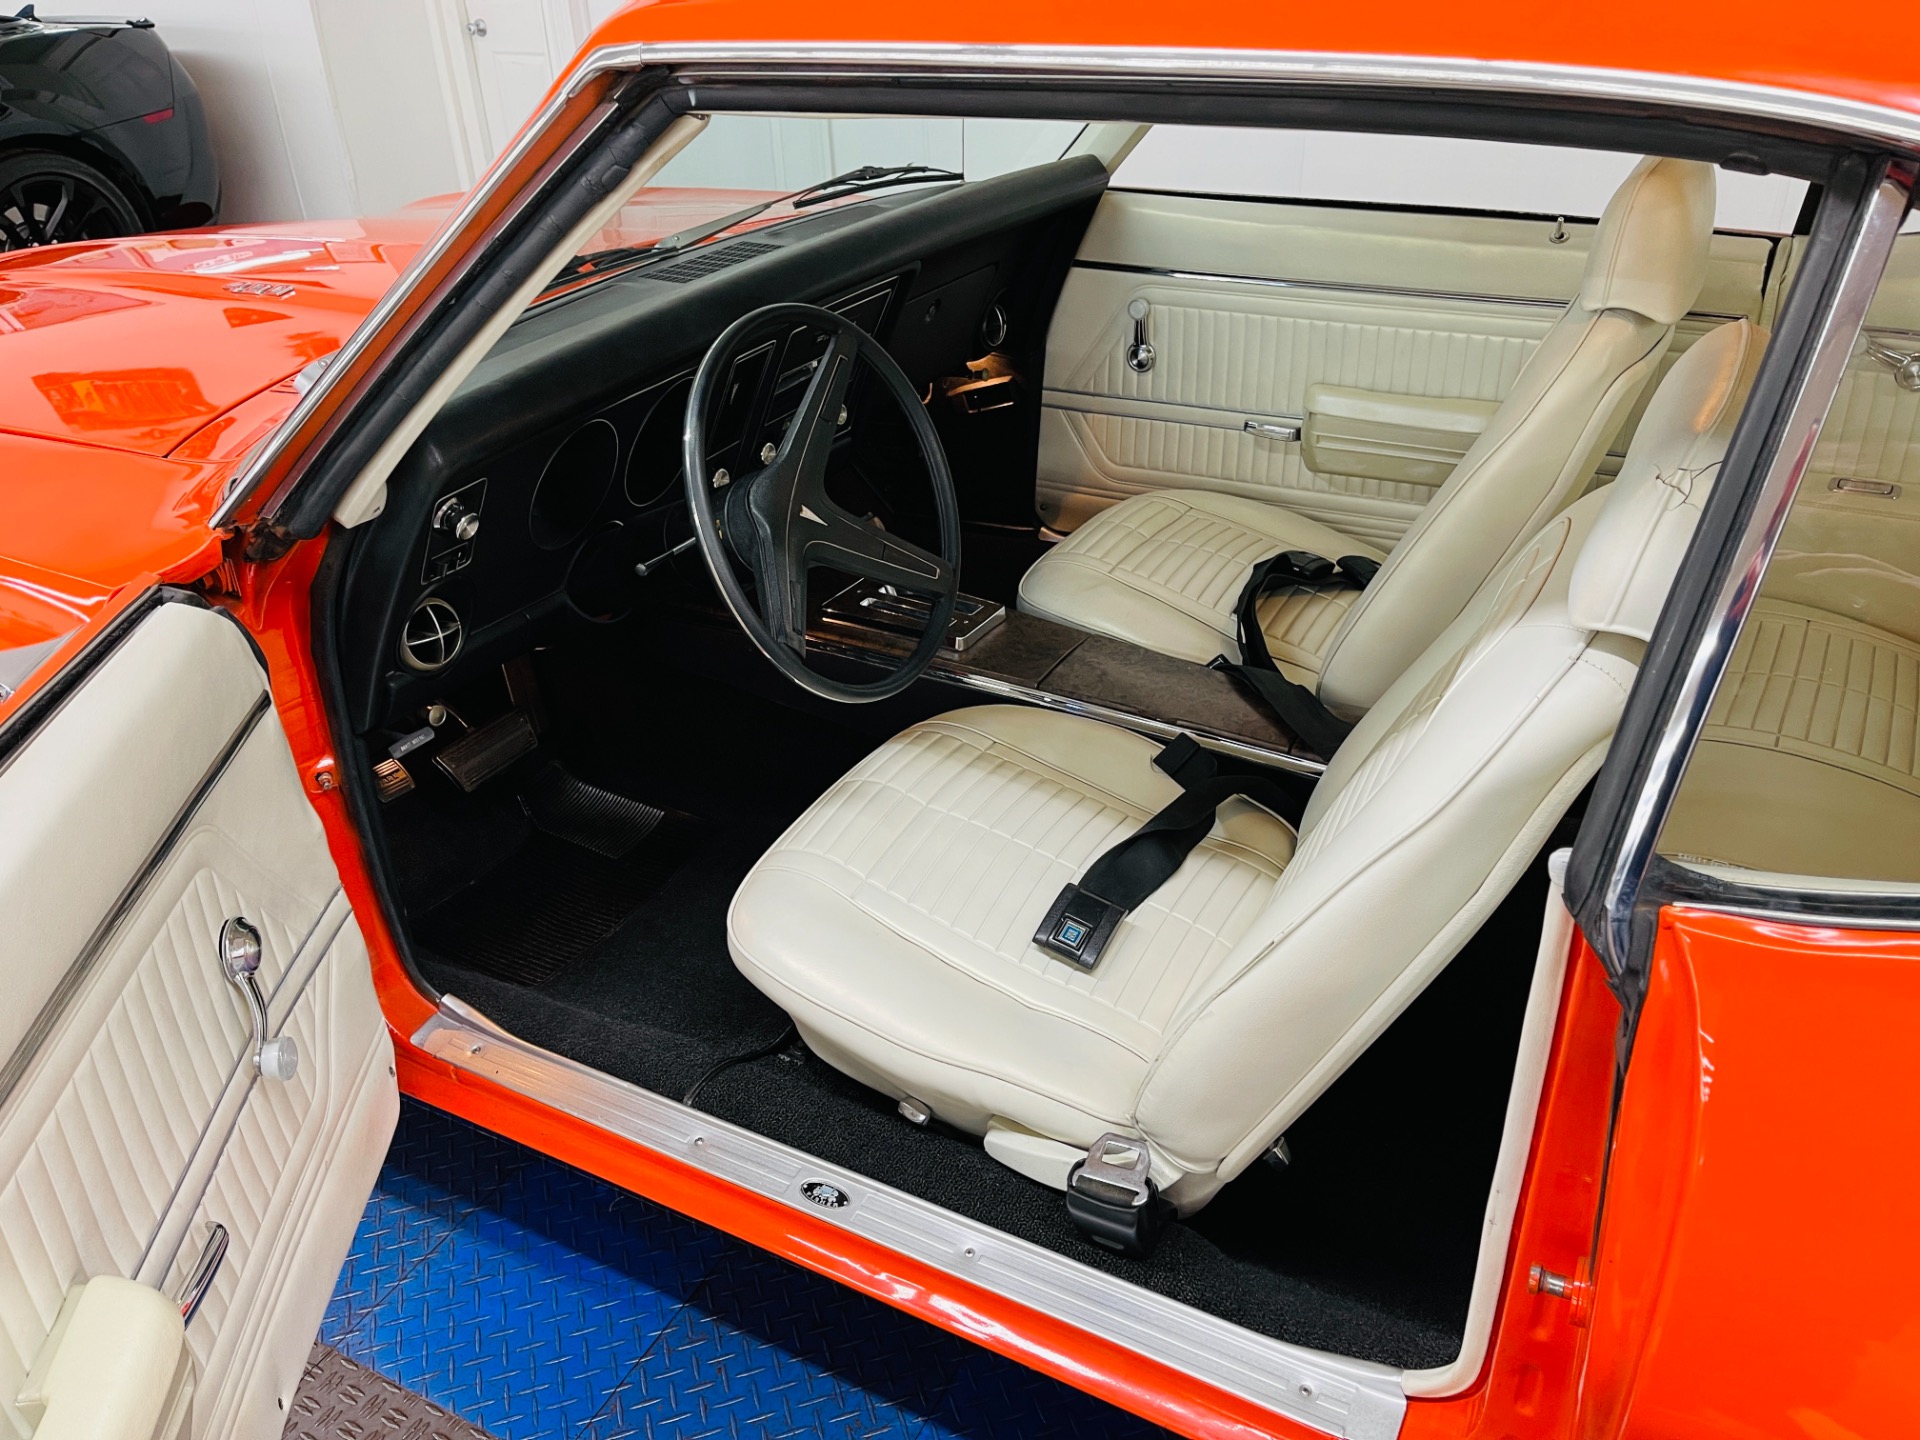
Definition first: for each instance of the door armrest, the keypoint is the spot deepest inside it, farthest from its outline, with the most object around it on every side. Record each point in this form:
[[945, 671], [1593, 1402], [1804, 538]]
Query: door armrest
[[114, 1363], [1417, 439]]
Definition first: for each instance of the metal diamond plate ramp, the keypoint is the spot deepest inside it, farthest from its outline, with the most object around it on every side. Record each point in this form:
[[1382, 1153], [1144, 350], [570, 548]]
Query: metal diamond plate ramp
[[538, 1303]]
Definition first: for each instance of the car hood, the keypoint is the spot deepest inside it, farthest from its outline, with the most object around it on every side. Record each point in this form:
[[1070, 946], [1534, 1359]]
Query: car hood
[[152, 344], [138, 344]]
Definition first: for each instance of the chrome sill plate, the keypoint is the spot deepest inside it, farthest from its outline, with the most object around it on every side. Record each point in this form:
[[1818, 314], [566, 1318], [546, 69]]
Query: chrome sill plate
[[1343, 1397]]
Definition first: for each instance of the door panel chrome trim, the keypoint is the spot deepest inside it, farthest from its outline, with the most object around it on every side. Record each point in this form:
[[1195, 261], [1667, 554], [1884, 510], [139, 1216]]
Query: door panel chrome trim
[[1354, 287], [1343, 287], [1333, 1394], [82, 966]]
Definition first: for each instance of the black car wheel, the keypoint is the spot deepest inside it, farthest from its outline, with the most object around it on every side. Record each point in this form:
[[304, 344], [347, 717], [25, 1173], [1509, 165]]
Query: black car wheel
[[48, 199]]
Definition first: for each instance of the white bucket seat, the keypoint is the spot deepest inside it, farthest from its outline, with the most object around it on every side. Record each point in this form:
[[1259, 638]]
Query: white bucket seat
[[1165, 569], [894, 920]]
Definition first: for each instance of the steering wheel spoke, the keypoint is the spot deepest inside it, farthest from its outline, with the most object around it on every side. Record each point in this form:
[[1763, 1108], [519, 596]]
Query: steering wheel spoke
[[831, 537], [780, 521]]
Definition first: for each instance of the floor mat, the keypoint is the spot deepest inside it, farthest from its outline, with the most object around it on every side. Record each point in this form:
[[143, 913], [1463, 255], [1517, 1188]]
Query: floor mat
[[539, 1303], [1365, 1247], [528, 919], [341, 1399]]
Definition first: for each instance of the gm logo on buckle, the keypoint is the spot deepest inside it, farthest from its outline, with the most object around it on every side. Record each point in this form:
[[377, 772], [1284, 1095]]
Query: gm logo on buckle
[[1078, 926]]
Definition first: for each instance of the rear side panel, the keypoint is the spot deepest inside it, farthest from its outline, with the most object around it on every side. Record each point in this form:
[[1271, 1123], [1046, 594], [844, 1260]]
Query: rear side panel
[[1758, 1226]]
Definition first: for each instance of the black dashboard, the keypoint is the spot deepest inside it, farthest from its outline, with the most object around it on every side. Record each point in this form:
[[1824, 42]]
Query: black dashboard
[[555, 469]]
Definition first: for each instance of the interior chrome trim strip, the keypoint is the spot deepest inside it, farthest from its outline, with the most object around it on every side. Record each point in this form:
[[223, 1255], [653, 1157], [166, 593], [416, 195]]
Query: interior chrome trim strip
[[1833, 348], [1127, 720], [1349, 1398], [1177, 412], [1353, 287], [1463, 74], [951, 674], [1344, 287], [69, 984]]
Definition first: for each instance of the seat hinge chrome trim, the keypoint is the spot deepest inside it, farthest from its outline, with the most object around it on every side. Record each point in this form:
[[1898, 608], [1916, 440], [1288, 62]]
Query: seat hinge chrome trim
[[1333, 1394]]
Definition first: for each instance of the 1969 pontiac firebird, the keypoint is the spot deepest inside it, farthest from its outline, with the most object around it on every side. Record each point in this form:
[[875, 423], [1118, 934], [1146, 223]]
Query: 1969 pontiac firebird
[[1221, 700]]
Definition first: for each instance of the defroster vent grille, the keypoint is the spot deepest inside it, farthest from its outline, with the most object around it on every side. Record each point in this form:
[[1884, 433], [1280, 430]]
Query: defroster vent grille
[[705, 262]]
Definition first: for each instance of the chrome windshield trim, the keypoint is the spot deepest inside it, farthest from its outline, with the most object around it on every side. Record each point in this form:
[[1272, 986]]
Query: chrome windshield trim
[[321, 383], [1519, 78], [1832, 348], [1354, 1399]]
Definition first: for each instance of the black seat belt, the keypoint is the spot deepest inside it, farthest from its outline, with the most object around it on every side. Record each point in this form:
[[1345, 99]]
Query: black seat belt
[[1085, 915], [1297, 707]]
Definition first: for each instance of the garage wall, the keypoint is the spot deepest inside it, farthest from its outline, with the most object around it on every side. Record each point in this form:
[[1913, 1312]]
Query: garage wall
[[320, 108]]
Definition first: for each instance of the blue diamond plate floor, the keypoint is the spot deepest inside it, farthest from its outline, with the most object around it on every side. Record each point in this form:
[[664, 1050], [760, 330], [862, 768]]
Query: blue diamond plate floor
[[539, 1303]]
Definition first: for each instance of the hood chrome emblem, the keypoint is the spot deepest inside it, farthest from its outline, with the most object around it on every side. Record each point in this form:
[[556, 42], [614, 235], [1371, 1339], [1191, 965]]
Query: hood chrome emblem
[[807, 514], [260, 287]]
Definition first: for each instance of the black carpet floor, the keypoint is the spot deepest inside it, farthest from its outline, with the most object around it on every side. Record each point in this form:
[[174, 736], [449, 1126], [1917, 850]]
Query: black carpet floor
[[1364, 1246]]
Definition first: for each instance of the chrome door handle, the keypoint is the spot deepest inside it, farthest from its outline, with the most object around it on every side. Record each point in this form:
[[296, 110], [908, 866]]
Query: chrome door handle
[[200, 1279], [477, 29], [1140, 355], [1272, 430], [276, 1057], [1905, 365]]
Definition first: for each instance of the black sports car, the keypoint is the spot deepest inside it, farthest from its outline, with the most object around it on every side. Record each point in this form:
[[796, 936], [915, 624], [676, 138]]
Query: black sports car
[[101, 133]]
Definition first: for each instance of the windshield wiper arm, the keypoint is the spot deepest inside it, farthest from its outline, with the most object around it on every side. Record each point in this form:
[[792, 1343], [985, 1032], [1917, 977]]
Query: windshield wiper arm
[[867, 177]]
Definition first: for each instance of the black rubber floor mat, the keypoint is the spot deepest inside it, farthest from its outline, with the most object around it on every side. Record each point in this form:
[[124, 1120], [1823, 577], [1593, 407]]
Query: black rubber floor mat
[[340, 1399], [529, 919], [598, 820]]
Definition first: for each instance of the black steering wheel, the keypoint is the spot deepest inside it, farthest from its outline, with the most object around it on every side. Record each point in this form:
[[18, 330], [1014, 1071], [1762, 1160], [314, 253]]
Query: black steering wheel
[[777, 520]]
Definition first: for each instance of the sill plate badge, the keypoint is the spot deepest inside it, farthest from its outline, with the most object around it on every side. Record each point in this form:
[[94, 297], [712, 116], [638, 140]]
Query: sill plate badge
[[827, 1197]]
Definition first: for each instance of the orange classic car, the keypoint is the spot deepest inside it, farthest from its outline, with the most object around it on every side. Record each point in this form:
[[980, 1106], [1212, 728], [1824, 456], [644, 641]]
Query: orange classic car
[[1229, 699]]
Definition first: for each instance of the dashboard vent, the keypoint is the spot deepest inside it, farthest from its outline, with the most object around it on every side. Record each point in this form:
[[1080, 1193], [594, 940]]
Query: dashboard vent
[[432, 635], [705, 262]]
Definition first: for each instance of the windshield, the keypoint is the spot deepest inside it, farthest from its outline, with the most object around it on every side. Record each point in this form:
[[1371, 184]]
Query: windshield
[[747, 171]]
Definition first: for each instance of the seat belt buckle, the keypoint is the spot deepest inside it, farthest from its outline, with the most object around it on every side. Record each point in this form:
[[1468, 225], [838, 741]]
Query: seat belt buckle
[[1112, 1197], [1078, 926]]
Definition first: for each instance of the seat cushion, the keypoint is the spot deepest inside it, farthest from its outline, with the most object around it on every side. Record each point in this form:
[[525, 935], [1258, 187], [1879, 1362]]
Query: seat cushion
[[1165, 570], [894, 920], [1819, 714]]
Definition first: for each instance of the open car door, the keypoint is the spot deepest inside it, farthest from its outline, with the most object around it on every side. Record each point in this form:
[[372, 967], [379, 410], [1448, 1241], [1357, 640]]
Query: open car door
[[196, 1085]]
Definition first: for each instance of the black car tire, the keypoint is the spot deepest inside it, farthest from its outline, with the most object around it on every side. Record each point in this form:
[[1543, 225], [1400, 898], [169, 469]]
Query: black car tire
[[50, 199]]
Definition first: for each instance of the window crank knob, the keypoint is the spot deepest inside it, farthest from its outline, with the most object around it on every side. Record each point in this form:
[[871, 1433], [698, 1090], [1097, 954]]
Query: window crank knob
[[279, 1059]]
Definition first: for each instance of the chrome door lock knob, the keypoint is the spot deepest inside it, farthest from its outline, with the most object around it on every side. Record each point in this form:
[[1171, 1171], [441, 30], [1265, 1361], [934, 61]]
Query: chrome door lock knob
[[452, 517], [274, 1057]]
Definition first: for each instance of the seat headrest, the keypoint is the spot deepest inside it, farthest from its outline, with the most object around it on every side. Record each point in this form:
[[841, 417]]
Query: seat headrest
[[1630, 558], [1649, 253]]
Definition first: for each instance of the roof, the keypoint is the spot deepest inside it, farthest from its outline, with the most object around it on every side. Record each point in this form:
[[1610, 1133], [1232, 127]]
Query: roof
[[1856, 51]]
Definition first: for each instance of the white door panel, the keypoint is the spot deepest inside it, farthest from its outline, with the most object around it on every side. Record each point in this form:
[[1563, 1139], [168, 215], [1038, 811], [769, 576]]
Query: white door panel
[[157, 802], [1252, 303]]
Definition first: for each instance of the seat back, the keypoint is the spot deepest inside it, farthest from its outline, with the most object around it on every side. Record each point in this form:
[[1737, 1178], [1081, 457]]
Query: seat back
[[1444, 792], [1645, 271]]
